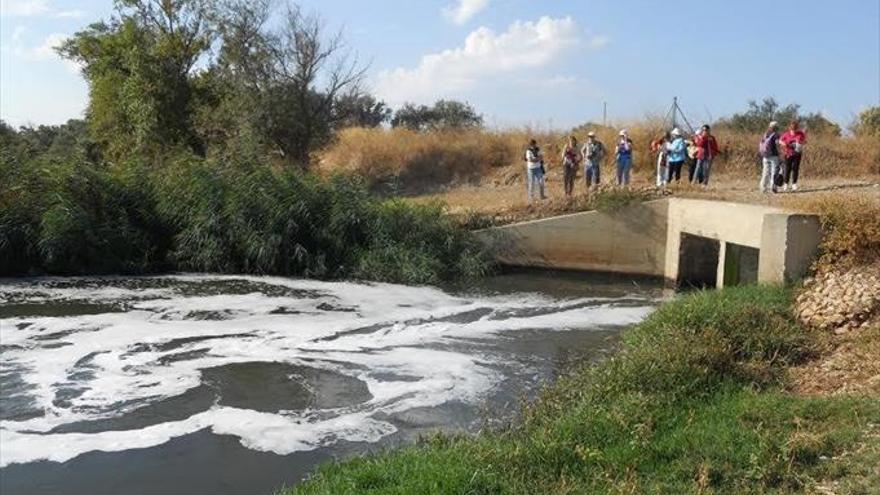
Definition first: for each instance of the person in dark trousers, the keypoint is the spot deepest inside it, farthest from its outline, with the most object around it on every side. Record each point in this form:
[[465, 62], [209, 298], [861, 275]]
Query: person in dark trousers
[[624, 157], [535, 171], [676, 154], [793, 141], [570, 160], [593, 153], [707, 150]]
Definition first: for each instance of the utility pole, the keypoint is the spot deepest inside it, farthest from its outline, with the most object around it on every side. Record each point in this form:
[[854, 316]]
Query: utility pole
[[604, 114], [674, 111]]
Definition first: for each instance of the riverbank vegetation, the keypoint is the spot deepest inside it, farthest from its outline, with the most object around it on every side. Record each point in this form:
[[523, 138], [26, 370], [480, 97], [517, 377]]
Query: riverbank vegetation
[[696, 401], [70, 216], [195, 155]]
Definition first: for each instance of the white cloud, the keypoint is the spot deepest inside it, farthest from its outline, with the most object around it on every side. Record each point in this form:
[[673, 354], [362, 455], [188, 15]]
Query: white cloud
[[24, 8], [71, 14], [43, 51], [35, 8], [524, 47], [464, 10]]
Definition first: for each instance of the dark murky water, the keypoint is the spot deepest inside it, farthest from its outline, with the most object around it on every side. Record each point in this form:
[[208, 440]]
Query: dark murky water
[[233, 385]]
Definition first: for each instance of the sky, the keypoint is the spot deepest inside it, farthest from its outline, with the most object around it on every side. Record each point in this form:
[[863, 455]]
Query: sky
[[548, 63]]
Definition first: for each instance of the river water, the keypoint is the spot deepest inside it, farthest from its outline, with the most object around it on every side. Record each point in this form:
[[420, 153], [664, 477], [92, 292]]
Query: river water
[[232, 384]]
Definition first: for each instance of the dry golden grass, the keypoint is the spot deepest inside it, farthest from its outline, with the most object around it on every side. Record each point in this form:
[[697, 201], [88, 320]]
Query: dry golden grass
[[408, 162]]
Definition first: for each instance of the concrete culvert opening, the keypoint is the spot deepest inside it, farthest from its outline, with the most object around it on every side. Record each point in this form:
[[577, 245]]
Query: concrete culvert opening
[[740, 264], [698, 261]]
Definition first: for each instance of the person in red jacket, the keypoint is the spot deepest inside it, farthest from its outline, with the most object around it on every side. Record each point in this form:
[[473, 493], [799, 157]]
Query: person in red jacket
[[707, 150], [792, 141]]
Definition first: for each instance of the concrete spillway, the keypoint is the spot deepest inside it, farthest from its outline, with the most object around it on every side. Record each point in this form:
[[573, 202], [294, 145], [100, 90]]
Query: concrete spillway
[[697, 242]]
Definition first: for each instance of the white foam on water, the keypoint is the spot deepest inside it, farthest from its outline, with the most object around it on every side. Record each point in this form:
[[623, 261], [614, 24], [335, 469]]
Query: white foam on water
[[374, 332]]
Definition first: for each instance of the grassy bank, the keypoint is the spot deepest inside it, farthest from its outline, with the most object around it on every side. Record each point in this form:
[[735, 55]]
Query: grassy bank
[[405, 161], [68, 215], [696, 401]]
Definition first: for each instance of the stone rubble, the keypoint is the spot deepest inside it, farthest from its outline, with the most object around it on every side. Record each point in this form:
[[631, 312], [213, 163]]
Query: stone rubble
[[841, 300]]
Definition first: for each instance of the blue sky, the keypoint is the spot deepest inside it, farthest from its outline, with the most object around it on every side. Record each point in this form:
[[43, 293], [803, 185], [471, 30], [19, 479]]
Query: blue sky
[[541, 63]]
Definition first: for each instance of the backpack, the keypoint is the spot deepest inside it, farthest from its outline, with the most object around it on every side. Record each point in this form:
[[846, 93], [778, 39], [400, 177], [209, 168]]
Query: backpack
[[765, 147], [600, 151]]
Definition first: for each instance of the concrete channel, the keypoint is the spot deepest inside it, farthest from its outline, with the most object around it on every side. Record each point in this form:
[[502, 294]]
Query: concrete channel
[[685, 241]]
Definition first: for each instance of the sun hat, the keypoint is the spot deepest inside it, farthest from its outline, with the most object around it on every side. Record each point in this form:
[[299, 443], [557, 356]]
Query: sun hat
[[591, 134], [676, 132], [623, 132]]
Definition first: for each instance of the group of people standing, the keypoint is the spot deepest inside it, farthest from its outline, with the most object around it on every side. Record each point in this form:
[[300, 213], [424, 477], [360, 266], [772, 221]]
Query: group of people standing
[[672, 151]]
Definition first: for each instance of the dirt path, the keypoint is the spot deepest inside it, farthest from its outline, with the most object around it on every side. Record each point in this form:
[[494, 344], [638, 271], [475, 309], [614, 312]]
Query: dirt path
[[510, 199]]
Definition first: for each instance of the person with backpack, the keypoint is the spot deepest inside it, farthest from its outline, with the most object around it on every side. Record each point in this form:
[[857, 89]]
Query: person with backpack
[[593, 153], [707, 150], [676, 154], [658, 146], [624, 157], [535, 170], [793, 142], [769, 151], [570, 160]]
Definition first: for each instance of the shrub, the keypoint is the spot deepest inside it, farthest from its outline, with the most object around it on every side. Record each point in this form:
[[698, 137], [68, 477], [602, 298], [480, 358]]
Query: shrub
[[239, 216], [851, 229]]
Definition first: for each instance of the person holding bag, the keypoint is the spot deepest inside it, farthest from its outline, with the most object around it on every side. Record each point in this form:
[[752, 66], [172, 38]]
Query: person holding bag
[[793, 142], [769, 151]]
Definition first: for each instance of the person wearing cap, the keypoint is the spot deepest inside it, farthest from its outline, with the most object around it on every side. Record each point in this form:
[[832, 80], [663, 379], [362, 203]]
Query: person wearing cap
[[593, 153], [676, 154], [793, 142], [658, 146], [571, 157], [707, 150], [624, 157], [769, 151], [535, 170]]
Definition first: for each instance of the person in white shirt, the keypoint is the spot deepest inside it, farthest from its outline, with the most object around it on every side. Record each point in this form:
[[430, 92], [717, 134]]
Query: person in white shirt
[[535, 170]]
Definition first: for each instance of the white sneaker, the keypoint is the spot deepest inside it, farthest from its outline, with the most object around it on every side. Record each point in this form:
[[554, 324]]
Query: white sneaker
[[785, 188], [794, 187]]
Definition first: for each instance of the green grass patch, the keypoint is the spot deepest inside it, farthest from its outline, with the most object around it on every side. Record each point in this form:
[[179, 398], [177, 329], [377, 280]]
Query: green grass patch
[[692, 403]]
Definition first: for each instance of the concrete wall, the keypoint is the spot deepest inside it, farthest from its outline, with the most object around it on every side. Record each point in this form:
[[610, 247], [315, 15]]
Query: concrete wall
[[728, 222], [646, 239], [631, 241], [789, 243]]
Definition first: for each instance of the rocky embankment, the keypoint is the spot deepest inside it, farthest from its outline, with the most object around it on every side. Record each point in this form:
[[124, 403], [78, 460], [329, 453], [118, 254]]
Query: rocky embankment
[[841, 300]]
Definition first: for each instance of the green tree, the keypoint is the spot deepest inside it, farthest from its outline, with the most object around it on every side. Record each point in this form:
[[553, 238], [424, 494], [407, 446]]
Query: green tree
[[443, 115], [297, 81], [361, 111], [867, 123], [758, 115], [139, 67]]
